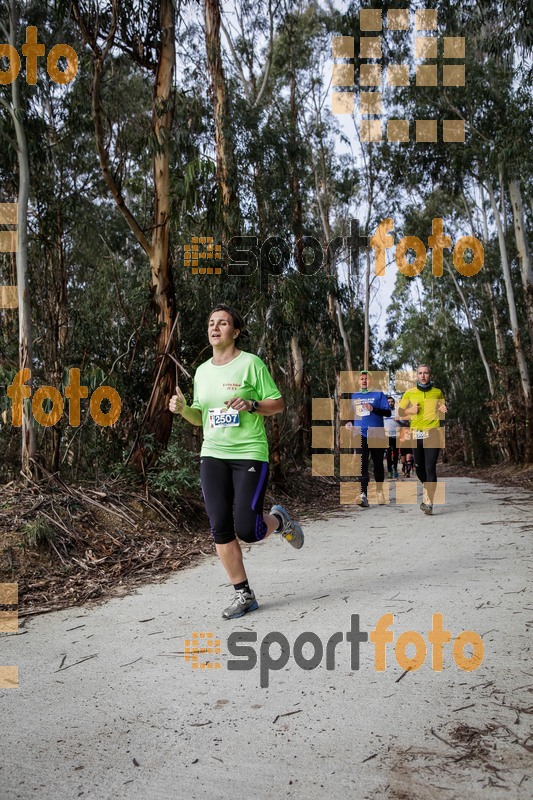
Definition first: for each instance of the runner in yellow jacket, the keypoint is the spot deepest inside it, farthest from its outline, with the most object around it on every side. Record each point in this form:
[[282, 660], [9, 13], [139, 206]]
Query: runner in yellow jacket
[[424, 406]]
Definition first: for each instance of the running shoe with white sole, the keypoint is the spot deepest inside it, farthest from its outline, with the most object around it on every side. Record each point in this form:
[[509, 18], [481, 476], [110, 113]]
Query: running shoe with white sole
[[363, 501], [427, 508], [291, 530], [242, 603]]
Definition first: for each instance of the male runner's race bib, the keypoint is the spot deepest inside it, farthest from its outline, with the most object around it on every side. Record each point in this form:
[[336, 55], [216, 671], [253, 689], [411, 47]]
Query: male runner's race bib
[[421, 434], [360, 409], [223, 418]]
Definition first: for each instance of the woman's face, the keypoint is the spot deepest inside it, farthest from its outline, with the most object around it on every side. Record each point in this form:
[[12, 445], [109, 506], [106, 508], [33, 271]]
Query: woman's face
[[220, 329]]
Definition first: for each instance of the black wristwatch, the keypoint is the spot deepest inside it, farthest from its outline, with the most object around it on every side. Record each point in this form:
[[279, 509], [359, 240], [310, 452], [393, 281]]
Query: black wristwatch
[[255, 406]]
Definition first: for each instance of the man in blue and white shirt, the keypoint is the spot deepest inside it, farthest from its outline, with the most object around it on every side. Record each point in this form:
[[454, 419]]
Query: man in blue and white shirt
[[392, 427], [370, 407]]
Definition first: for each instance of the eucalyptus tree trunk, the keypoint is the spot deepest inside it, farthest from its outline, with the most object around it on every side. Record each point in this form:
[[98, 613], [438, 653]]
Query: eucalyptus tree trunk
[[254, 95], [300, 382], [226, 169], [51, 234], [499, 337], [28, 441], [157, 420], [301, 378], [475, 331], [515, 329], [524, 255], [334, 308], [293, 158], [265, 351]]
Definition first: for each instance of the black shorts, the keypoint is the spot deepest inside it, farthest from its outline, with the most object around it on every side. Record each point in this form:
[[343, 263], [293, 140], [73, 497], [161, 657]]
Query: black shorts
[[234, 493]]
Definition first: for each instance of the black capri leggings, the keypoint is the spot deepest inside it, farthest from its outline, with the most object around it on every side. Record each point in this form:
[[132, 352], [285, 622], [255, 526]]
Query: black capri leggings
[[377, 460], [426, 462], [392, 454], [234, 493]]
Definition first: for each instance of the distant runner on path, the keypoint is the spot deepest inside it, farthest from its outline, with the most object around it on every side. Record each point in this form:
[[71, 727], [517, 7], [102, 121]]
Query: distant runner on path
[[233, 392], [423, 406], [392, 427], [369, 407], [406, 451]]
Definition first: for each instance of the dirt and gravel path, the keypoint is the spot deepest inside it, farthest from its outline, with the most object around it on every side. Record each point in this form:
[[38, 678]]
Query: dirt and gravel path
[[109, 707]]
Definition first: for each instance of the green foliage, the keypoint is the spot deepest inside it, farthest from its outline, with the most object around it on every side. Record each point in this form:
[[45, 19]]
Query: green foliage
[[91, 298], [177, 472], [39, 533]]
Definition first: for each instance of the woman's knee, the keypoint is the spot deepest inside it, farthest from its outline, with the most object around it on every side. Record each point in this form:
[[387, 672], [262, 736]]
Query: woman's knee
[[223, 538], [252, 531]]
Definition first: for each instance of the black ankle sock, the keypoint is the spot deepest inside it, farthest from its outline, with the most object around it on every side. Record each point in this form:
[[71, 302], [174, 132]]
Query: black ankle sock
[[243, 586], [280, 523]]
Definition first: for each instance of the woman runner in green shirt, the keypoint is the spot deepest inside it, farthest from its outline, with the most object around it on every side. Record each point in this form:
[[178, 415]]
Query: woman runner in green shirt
[[233, 392], [425, 406]]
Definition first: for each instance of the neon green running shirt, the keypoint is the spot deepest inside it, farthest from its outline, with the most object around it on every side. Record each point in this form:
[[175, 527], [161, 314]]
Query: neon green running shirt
[[247, 377], [427, 416]]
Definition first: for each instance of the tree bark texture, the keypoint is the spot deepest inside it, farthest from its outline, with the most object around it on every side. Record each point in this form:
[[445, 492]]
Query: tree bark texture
[[524, 255], [226, 172], [28, 441], [157, 421], [517, 343]]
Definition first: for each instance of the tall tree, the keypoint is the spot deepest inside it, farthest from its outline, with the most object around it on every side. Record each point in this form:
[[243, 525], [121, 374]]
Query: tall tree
[[145, 32], [524, 253], [226, 168], [17, 112], [521, 360]]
